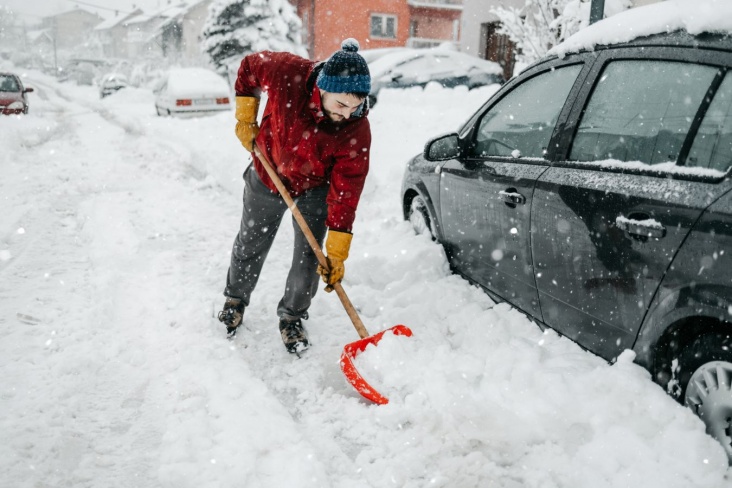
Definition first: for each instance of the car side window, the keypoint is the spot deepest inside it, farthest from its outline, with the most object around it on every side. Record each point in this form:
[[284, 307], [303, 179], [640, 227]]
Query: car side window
[[641, 110], [712, 147], [522, 122]]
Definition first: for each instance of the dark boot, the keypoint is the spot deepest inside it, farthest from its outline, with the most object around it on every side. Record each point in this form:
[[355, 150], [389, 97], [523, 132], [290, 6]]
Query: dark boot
[[293, 335], [232, 315]]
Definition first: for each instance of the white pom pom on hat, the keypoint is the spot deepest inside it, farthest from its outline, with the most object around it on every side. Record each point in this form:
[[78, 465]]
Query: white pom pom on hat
[[350, 45]]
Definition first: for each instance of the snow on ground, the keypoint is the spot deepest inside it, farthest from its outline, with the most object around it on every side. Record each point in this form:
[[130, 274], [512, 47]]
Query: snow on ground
[[115, 233]]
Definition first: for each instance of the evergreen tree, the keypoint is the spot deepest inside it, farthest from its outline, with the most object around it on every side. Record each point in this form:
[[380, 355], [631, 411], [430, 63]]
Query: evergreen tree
[[235, 28]]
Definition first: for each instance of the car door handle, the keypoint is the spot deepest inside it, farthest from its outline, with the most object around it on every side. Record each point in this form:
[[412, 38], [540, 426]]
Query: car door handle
[[512, 197], [641, 227]]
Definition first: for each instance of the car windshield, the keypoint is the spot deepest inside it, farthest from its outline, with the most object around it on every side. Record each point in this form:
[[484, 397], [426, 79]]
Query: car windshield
[[8, 84]]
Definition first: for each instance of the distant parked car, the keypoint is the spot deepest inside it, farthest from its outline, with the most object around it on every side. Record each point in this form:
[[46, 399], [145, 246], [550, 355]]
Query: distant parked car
[[406, 67], [191, 92], [13, 99], [112, 83], [593, 192], [371, 55]]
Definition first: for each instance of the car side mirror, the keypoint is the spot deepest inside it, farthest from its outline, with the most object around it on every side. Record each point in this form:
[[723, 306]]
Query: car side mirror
[[442, 148], [28, 90]]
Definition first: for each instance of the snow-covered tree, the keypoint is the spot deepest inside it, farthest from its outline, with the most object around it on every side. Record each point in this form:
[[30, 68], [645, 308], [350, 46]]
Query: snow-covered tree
[[235, 28], [542, 24]]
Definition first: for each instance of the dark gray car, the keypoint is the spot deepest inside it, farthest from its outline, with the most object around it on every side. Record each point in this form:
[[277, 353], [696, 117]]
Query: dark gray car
[[405, 67], [592, 193]]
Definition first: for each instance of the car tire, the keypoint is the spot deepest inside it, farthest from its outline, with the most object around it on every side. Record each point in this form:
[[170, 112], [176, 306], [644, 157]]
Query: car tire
[[704, 374], [157, 110], [372, 101], [420, 218]]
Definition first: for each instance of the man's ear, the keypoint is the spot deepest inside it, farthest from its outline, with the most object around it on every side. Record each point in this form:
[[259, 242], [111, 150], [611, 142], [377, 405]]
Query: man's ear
[[362, 107]]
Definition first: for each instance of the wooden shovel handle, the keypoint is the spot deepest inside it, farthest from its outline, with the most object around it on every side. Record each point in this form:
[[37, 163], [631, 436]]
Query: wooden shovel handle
[[350, 309]]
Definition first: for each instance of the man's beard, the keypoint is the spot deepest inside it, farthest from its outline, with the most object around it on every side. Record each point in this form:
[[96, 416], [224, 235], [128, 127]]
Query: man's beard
[[334, 118]]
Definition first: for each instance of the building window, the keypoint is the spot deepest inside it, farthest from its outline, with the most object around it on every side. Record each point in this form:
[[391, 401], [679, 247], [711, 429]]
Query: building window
[[383, 25]]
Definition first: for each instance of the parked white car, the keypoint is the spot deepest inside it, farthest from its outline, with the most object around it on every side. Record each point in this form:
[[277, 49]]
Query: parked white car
[[191, 92]]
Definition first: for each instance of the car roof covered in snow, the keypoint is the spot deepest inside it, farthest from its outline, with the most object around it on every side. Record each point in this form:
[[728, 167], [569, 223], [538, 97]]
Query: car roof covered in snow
[[384, 64], [681, 22], [195, 81]]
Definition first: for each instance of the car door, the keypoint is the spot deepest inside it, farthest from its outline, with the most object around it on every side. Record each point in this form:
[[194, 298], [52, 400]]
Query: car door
[[485, 196], [610, 217]]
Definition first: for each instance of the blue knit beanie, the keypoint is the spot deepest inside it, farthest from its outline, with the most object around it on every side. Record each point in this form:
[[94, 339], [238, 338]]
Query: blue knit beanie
[[345, 71]]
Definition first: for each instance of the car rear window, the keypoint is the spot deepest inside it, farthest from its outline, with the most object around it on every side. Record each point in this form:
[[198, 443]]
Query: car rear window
[[712, 147], [641, 110], [8, 84]]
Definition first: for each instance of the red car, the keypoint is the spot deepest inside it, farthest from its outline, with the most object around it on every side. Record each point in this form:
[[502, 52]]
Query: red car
[[13, 98]]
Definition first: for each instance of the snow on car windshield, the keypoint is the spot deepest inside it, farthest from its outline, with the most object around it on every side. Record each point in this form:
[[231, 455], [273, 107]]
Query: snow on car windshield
[[693, 16]]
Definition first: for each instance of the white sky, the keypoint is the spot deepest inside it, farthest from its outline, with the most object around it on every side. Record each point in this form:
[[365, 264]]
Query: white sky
[[33, 10]]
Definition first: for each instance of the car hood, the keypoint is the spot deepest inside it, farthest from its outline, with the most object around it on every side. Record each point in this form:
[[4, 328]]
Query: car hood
[[10, 97]]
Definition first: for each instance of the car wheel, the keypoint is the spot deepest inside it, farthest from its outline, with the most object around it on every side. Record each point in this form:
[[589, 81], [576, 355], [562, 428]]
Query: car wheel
[[705, 376], [419, 218], [372, 101], [157, 110]]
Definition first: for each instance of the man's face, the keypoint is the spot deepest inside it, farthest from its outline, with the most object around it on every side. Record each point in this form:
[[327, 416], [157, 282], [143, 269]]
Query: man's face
[[339, 106]]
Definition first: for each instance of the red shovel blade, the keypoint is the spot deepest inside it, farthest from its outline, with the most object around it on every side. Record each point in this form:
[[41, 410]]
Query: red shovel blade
[[353, 349]]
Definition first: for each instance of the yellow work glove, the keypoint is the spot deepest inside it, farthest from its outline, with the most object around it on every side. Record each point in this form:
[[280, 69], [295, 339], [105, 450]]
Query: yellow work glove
[[336, 247], [246, 125]]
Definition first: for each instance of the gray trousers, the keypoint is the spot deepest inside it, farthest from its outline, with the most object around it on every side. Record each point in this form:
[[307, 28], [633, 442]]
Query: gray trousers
[[261, 217]]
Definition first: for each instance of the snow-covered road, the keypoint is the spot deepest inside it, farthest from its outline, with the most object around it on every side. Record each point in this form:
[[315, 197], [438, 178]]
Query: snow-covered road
[[115, 233]]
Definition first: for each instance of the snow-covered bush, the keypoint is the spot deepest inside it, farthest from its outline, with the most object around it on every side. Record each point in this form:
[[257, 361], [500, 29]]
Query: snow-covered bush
[[542, 24]]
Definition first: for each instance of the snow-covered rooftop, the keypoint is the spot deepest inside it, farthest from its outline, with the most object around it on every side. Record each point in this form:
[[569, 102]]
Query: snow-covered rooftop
[[692, 16], [116, 20]]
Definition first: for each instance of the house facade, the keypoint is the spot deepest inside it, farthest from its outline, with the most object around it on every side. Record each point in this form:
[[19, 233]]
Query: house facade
[[71, 28], [480, 33], [378, 23], [172, 32], [181, 35], [112, 34]]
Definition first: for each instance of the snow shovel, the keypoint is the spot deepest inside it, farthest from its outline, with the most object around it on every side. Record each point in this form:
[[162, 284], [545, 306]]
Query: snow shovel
[[351, 350]]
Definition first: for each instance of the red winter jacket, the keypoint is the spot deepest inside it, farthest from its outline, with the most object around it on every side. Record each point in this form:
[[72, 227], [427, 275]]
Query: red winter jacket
[[307, 149]]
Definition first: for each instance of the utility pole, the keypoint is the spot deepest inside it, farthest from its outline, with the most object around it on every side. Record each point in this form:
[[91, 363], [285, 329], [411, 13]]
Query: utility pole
[[597, 10], [55, 34]]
